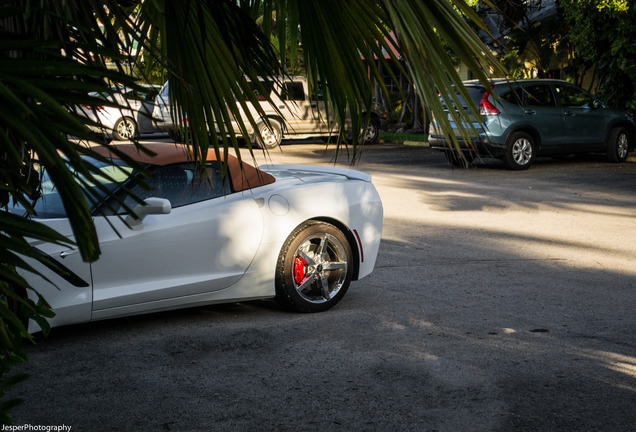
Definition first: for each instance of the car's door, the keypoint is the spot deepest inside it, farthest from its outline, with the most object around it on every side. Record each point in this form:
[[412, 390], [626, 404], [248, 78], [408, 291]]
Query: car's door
[[542, 113], [68, 293], [161, 109], [583, 121], [294, 107], [205, 243], [145, 105]]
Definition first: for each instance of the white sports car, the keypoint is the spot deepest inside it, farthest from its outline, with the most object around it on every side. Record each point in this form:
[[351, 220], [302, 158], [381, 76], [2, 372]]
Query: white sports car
[[299, 234]]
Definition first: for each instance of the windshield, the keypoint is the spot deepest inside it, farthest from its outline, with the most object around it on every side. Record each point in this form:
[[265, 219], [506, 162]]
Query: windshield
[[49, 204]]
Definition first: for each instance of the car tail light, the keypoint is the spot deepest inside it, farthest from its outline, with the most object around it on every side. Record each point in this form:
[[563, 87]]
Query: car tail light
[[359, 245], [93, 108], [486, 107]]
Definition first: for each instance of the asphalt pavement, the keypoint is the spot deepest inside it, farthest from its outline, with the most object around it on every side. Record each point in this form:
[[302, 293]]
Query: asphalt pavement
[[501, 301]]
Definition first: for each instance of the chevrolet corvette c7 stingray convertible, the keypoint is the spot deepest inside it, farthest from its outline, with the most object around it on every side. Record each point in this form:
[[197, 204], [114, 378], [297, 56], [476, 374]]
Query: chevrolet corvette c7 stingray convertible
[[298, 234]]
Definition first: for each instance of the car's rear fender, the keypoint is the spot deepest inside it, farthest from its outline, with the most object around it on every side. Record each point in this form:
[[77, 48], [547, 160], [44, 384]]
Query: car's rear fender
[[356, 210], [536, 136]]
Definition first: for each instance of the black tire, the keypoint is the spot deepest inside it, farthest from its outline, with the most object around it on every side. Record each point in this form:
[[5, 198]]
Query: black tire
[[520, 151], [463, 160], [268, 138], [125, 129], [314, 268], [372, 133], [617, 145]]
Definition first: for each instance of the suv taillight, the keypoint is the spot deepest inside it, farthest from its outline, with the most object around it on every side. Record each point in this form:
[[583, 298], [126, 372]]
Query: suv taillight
[[486, 107]]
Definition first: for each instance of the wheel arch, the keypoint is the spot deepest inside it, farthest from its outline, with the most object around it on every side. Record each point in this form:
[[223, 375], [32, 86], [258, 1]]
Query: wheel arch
[[127, 117], [536, 136], [373, 117], [349, 235], [280, 120]]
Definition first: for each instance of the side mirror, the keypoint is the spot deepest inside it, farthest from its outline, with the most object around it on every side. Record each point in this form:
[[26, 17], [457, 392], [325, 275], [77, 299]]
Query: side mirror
[[152, 206], [596, 104]]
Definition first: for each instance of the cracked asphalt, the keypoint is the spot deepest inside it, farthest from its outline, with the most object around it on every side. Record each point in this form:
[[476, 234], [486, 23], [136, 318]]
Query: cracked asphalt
[[501, 301]]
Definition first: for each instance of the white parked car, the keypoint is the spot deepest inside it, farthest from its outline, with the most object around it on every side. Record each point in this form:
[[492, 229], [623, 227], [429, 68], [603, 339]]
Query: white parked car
[[299, 234], [300, 115], [132, 119]]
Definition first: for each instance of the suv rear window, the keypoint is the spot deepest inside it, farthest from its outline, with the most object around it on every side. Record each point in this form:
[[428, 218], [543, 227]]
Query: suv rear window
[[476, 94]]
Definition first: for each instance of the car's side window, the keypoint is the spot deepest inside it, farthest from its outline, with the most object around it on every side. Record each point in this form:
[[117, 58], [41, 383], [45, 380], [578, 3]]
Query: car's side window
[[183, 184], [571, 97], [261, 90], [539, 95], [514, 96], [293, 91]]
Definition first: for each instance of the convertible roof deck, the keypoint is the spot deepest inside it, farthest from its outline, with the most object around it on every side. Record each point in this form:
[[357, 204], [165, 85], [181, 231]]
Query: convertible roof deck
[[242, 175]]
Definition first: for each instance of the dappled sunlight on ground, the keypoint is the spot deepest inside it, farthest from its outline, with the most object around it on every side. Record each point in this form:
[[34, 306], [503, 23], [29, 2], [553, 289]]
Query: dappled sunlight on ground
[[530, 224]]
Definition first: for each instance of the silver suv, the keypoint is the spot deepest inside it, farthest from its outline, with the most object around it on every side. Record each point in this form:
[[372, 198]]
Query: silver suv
[[300, 116], [528, 118]]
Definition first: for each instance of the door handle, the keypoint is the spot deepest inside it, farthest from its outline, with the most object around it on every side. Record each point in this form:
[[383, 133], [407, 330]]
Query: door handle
[[530, 112], [569, 113], [68, 253], [282, 106]]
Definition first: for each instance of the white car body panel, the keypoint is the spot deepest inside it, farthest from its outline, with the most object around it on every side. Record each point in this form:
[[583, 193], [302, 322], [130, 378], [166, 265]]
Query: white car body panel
[[219, 250], [72, 301], [176, 240]]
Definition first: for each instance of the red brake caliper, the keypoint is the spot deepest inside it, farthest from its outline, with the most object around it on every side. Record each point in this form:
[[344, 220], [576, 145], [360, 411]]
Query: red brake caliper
[[299, 270]]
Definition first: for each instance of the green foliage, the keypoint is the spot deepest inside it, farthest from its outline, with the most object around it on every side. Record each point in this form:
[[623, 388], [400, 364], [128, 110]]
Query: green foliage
[[585, 37], [603, 34], [45, 71]]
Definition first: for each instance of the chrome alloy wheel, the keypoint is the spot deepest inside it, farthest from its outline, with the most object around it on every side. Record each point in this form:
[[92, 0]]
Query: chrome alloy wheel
[[622, 146], [522, 151], [125, 129], [270, 137], [371, 134], [320, 268]]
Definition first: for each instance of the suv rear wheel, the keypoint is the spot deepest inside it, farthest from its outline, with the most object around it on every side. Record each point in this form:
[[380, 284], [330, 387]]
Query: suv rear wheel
[[520, 151]]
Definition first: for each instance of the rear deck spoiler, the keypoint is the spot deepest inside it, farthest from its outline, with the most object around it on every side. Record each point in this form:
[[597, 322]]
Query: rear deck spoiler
[[349, 173]]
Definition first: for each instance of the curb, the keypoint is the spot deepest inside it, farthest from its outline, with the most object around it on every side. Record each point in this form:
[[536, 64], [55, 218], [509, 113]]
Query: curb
[[416, 143]]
